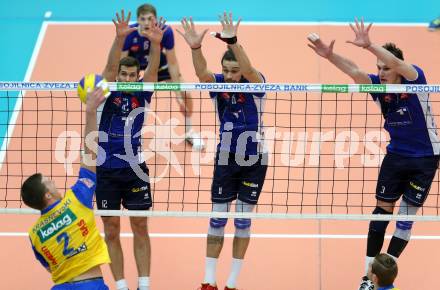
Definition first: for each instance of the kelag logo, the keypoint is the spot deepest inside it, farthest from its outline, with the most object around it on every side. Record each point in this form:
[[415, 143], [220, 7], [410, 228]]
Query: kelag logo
[[334, 88], [166, 87], [372, 88], [61, 222], [129, 87]]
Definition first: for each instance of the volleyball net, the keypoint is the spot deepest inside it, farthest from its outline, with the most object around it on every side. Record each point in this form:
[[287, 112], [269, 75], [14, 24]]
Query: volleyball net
[[325, 143]]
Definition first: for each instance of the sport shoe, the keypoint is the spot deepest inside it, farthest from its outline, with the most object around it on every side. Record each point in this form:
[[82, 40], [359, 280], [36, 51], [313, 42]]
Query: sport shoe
[[208, 287], [434, 24], [366, 284], [195, 140]]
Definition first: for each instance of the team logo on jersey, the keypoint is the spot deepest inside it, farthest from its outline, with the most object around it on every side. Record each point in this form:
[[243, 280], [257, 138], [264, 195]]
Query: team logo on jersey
[[57, 225], [134, 48], [134, 103], [241, 98], [404, 96], [117, 101], [80, 249], [225, 96]]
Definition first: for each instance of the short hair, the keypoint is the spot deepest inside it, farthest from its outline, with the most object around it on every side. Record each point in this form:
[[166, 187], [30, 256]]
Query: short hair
[[130, 62], [229, 56], [146, 8], [385, 268], [391, 47], [33, 190]]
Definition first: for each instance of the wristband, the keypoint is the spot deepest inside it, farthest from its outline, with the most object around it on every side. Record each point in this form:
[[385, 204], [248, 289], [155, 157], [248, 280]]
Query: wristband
[[228, 40]]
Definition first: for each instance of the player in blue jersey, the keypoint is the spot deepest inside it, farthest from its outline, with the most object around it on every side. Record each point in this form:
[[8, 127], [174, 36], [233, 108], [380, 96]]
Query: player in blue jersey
[[241, 161], [122, 174], [413, 153], [137, 45], [65, 239], [382, 272]]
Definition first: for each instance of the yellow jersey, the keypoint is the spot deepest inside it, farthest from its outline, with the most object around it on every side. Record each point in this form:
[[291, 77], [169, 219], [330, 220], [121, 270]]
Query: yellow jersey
[[65, 238]]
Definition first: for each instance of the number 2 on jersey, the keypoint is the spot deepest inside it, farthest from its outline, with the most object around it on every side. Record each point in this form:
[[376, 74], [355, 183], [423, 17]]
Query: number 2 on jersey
[[65, 237]]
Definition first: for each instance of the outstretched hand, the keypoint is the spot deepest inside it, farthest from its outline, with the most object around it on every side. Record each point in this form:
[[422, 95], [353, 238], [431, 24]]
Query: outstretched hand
[[362, 38], [155, 32], [229, 29], [319, 46], [122, 24], [191, 36]]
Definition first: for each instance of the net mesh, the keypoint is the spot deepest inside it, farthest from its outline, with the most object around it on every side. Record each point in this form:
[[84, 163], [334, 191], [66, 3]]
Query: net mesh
[[325, 150]]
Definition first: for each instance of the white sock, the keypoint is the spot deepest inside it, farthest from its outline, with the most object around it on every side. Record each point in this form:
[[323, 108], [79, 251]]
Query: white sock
[[368, 261], [235, 271], [210, 270], [188, 124], [144, 283], [121, 285]]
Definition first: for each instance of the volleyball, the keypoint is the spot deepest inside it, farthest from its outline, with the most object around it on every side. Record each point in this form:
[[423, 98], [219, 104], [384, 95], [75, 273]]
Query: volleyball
[[89, 83]]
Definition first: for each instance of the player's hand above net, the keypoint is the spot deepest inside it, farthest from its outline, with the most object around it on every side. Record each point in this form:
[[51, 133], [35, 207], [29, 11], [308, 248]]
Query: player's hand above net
[[191, 36], [122, 24], [319, 46], [362, 38], [229, 29]]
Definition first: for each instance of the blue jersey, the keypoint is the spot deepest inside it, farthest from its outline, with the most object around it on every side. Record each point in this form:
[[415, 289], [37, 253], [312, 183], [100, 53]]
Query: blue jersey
[[240, 116], [409, 120], [139, 47], [112, 120]]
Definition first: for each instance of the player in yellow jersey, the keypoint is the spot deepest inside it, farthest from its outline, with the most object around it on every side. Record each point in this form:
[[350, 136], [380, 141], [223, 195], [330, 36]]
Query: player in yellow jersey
[[65, 238]]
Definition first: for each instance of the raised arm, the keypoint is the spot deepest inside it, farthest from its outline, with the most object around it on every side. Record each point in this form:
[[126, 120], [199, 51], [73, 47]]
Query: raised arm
[[345, 65], [194, 40], [362, 39], [122, 30], [229, 35], [94, 99], [154, 34]]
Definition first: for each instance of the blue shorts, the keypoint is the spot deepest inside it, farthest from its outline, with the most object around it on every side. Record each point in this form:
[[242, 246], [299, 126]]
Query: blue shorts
[[89, 284], [232, 180], [407, 176], [121, 185]]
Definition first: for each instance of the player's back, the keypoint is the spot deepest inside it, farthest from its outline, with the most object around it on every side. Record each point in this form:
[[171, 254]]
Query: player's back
[[67, 238]]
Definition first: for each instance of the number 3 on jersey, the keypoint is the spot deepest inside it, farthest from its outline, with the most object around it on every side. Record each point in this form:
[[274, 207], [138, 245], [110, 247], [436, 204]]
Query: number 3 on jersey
[[65, 237]]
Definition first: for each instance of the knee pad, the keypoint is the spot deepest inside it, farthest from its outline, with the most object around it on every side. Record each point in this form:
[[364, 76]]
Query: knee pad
[[242, 223], [218, 222], [242, 228], [379, 226], [217, 227], [403, 228]]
